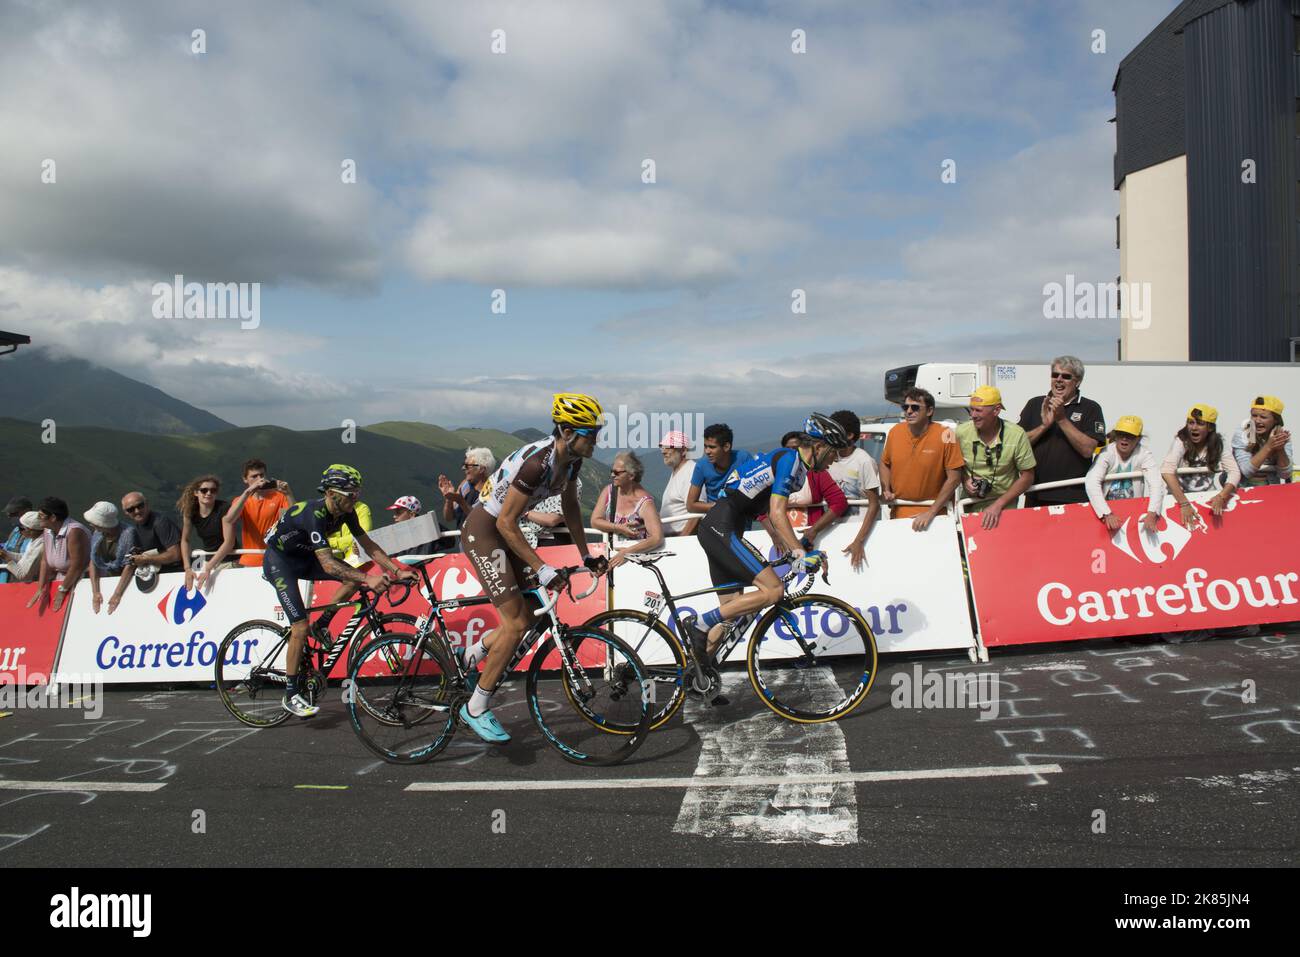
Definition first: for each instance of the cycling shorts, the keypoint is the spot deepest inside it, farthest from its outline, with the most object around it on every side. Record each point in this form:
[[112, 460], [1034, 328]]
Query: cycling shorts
[[501, 572], [732, 560], [284, 572]]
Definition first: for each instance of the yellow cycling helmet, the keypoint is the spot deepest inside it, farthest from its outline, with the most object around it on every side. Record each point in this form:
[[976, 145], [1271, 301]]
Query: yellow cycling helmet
[[578, 410]]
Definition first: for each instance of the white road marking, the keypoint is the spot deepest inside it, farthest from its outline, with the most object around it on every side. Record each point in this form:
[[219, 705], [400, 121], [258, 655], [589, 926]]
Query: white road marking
[[851, 777], [788, 789], [77, 786]]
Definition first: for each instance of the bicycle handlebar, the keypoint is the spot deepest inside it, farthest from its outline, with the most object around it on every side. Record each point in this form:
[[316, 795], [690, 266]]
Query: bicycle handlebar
[[553, 594]]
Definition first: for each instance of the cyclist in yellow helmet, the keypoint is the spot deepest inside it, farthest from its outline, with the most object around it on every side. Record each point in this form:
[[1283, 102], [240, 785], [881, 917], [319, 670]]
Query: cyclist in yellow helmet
[[500, 555]]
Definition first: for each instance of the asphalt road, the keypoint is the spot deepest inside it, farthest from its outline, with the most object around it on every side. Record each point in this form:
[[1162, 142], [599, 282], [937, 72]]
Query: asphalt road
[[1098, 754]]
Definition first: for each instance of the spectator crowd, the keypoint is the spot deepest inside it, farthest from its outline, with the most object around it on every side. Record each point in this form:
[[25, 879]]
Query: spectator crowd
[[1057, 451]]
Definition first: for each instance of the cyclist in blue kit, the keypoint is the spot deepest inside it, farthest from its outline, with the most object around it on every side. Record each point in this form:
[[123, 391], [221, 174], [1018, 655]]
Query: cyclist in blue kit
[[760, 485]]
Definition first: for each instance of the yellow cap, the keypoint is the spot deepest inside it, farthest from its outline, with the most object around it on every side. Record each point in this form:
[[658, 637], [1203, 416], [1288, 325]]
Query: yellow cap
[[1129, 424], [1269, 403], [986, 395], [1206, 413]]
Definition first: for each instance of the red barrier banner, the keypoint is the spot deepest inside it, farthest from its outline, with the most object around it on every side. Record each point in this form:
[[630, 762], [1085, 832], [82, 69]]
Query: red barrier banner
[[29, 638], [1057, 573], [452, 577]]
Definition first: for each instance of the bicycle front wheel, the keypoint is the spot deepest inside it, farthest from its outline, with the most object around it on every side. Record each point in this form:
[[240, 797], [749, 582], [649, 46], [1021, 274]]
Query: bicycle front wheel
[[660, 652], [402, 697], [589, 695], [812, 659], [250, 674]]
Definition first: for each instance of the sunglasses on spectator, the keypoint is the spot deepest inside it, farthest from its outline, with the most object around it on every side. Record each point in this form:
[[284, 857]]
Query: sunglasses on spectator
[[912, 407], [1062, 375], [207, 491], [469, 465], [136, 508], [618, 472]]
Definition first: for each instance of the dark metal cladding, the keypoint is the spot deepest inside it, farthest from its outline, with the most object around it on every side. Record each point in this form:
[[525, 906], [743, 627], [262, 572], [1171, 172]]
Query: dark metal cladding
[[1240, 83]]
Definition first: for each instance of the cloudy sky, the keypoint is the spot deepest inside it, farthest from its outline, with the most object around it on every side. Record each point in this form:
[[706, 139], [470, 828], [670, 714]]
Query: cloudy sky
[[522, 171]]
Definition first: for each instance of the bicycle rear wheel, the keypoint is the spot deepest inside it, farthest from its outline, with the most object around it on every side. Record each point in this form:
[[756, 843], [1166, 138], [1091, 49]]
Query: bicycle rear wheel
[[590, 696], [660, 652], [402, 697], [250, 673], [812, 659]]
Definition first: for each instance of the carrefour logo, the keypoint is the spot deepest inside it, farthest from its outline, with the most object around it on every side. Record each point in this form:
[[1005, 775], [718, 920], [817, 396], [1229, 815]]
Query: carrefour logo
[[177, 602]]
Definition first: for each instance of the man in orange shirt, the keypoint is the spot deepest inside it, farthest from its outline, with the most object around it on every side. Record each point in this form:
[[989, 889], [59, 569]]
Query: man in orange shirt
[[257, 509], [921, 461]]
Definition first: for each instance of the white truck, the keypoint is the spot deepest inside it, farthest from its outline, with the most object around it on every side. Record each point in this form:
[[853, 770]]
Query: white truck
[[1159, 392]]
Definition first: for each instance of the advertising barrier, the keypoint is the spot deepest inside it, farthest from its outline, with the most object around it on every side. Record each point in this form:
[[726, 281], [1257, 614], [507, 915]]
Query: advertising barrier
[[1056, 573], [912, 592], [29, 638], [171, 634]]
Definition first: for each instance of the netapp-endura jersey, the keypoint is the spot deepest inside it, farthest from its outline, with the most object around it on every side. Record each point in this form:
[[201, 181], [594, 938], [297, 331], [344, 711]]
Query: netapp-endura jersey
[[532, 471], [749, 487]]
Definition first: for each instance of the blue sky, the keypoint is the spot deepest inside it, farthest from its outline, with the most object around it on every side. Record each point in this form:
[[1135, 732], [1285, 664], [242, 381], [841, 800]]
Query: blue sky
[[522, 171]]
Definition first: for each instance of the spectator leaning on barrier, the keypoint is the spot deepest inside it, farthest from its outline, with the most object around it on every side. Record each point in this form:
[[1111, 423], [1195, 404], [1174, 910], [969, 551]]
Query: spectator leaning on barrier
[[456, 502], [1126, 453], [1199, 445], [921, 462], [18, 507], [203, 512], [154, 532], [673, 515], [1064, 430], [65, 554], [1261, 441], [711, 471], [856, 474], [22, 564], [999, 459], [111, 541], [625, 509], [257, 509]]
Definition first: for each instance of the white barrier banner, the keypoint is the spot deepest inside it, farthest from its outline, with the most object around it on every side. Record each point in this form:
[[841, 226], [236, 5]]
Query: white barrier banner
[[911, 592], [168, 634]]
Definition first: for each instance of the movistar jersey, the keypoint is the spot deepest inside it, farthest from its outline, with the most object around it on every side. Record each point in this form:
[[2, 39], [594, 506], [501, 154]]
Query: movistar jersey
[[750, 486], [306, 527]]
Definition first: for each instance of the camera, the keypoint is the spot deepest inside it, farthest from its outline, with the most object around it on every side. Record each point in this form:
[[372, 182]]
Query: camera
[[982, 487], [267, 485]]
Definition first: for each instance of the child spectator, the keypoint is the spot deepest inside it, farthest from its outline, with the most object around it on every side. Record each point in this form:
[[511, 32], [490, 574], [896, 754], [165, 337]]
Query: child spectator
[[257, 509], [1261, 441], [1199, 445], [1125, 453]]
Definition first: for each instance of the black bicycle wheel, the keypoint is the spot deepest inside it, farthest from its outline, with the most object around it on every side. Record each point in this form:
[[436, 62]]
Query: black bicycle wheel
[[250, 673], [591, 701], [394, 623], [659, 650], [812, 659], [402, 697]]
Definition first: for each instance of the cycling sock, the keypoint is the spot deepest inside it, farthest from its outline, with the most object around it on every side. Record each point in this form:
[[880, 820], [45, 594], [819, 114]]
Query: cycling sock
[[291, 686], [478, 702], [474, 654], [709, 619]]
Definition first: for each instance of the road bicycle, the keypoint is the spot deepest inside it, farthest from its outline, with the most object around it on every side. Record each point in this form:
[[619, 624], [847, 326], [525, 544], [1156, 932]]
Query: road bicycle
[[250, 665], [586, 691], [811, 657]]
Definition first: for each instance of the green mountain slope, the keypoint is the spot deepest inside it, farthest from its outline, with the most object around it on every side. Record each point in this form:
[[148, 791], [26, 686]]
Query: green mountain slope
[[73, 392], [85, 465]]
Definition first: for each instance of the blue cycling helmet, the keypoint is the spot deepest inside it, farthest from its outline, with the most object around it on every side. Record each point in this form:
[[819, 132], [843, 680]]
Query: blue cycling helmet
[[825, 429]]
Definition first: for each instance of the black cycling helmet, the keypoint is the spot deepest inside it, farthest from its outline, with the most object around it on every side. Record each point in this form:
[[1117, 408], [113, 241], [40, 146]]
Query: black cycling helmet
[[825, 429], [342, 478]]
